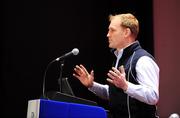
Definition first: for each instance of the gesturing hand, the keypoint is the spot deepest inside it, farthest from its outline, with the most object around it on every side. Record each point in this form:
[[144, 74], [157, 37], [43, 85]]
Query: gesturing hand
[[118, 78], [82, 74]]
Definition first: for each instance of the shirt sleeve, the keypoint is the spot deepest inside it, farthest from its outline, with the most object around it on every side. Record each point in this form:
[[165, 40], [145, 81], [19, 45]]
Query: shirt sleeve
[[100, 90], [148, 78]]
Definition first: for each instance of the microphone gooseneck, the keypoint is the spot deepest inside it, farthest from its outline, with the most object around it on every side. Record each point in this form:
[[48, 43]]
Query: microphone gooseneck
[[75, 51]]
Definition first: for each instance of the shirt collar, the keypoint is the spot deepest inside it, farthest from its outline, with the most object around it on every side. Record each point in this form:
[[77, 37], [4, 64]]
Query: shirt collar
[[119, 53]]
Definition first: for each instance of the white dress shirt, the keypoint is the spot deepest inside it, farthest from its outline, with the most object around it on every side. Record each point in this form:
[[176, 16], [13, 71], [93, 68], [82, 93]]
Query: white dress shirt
[[147, 76]]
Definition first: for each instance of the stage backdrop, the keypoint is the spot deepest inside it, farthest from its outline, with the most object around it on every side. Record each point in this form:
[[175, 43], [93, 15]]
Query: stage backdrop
[[38, 31], [167, 47]]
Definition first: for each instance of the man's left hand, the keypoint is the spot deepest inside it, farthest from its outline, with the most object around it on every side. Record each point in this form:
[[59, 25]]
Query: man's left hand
[[118, 78]]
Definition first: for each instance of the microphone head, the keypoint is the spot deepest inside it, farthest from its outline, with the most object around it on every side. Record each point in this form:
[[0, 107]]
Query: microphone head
[[75, 51]]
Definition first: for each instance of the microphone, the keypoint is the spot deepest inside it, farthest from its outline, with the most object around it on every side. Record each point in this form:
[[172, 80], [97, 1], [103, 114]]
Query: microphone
[[75, 51]]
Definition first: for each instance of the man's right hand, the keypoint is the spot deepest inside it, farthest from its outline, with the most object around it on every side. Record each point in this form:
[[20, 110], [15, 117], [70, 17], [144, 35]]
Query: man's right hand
[[82, 74]]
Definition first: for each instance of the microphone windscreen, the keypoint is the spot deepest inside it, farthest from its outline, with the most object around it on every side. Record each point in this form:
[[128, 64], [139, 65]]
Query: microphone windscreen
[[75, 51]]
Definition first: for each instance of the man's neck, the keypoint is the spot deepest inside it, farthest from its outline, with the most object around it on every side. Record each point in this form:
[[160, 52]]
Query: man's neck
[[127, 45]]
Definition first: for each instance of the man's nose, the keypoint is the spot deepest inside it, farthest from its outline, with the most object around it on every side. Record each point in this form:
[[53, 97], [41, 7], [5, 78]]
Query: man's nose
[[107, 34]]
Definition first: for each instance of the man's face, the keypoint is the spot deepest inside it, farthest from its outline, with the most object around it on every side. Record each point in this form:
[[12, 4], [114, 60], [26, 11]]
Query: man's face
[[116, 34]]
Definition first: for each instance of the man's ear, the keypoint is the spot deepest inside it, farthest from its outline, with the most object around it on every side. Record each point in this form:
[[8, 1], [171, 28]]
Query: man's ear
[[127, 32]]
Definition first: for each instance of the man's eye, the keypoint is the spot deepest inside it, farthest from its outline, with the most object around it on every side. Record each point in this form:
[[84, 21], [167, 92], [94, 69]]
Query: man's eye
[[111, 30]]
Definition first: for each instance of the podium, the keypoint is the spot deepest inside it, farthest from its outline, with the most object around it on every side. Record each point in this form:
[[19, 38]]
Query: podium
[[42, 108], [57, 96]]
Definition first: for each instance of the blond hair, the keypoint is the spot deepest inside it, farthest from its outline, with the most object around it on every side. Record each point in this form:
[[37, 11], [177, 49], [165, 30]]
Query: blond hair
[[129, 21]]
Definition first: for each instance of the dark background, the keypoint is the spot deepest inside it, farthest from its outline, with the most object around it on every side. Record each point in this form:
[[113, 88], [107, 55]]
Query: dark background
[[37, 32]]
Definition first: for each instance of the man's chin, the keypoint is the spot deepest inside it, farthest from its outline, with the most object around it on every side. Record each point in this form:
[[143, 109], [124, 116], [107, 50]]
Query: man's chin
[[110, 46]]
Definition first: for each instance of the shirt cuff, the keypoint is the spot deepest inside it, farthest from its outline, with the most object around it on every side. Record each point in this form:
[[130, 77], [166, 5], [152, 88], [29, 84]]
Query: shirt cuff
[[93, 87], [130, 89]]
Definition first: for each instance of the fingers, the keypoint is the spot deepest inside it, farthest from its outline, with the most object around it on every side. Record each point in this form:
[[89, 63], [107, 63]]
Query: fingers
[[80, 71], [77, 76], [114, 73], [77, 71], [121, 69], [111, 74], [82, 74], [92, 73], [118, 78], [109, 80], [112, 81], [83, 69]]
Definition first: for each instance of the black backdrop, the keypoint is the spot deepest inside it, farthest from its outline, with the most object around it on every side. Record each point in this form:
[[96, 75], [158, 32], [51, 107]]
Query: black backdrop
[[37, 32]]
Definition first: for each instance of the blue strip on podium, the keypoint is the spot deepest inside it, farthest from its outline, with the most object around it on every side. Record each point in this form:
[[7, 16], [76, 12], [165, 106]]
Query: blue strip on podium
[[56, 109]]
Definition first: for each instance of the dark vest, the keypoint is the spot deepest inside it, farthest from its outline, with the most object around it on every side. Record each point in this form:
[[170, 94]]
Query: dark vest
[[119, 99]]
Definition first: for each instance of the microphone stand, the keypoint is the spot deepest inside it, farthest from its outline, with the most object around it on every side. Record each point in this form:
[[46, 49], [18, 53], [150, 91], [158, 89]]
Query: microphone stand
[[60, 75]]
